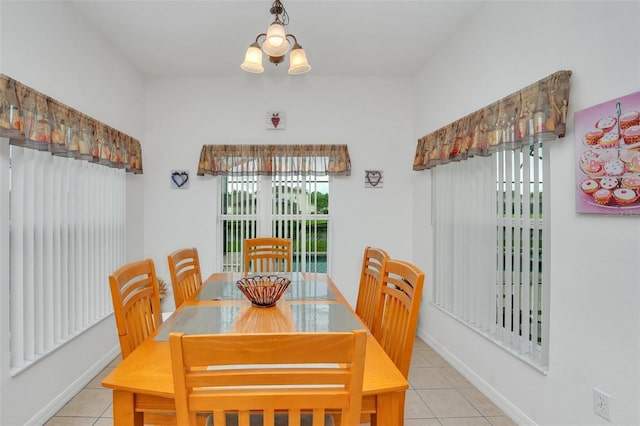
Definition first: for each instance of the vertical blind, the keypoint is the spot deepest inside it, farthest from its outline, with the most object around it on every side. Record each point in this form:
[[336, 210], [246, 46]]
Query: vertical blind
[[282, 206], [275, 190], [238, 218], [490, 234], [67, 224]]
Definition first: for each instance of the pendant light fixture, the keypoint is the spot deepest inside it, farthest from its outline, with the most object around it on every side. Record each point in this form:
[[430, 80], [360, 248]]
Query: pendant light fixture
[[275, 44]]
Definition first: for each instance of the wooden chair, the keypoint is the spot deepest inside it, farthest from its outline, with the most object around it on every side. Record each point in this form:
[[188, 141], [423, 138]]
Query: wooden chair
[[286, 382], [136, 306], [267, 255], [396, 317], [136, 303], [369, 289], [186, 277]]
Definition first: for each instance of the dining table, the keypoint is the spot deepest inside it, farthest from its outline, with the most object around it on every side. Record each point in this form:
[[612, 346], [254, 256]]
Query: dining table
[[143, 381]]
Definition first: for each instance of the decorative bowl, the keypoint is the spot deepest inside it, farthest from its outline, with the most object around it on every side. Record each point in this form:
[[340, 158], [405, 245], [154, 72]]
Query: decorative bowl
[[263, 291]]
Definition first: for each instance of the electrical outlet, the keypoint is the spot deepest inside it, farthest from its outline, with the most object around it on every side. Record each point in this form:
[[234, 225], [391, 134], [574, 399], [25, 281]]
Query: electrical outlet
[[601, 404]]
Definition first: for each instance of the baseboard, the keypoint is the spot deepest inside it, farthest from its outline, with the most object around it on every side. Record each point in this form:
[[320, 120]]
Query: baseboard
[[56, 405], [494, 396]]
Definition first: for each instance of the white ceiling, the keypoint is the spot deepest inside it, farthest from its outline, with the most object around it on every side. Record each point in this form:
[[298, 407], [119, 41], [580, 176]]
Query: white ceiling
[[209, 37]]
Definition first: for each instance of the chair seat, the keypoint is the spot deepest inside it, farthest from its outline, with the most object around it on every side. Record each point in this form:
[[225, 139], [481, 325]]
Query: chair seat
[[280, 420]]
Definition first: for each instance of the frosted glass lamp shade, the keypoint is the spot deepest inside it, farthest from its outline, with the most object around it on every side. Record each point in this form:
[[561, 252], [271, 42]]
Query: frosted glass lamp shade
[[272, 50], [253, 59], [298, 61], [276, 35]]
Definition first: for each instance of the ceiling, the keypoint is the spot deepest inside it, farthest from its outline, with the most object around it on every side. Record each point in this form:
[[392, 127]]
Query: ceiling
[[169, 38]]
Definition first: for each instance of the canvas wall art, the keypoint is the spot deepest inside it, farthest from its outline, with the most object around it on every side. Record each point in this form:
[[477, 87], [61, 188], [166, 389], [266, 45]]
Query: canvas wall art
[[608, 157]]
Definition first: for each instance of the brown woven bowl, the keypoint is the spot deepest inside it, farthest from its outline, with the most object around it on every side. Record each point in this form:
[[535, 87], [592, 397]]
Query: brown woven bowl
[[263, 291]]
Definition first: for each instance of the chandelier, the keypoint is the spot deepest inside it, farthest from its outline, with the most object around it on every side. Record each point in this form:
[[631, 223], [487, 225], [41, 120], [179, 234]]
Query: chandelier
[[275, 44]]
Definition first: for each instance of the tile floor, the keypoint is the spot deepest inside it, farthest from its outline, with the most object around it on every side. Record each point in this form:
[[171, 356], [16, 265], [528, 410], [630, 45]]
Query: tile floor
[[437, 395]]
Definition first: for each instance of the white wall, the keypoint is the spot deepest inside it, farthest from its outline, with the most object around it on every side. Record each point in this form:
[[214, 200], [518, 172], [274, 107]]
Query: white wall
[[595, 289], [372, 116], [595, 340], [47, 46]]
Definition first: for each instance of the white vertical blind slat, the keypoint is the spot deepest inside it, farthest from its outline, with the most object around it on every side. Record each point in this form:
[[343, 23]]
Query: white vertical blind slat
[[519, 236], [535, 306], [29, 256], [448, 246], [526, 252], [18, 225], [78, 247], [488, 231], [541, 350], [500, 293], [509, 250], [48, 251], [457, 249], [62, 259], [492, 229], [70, 210], [471, 246], [38, 247]]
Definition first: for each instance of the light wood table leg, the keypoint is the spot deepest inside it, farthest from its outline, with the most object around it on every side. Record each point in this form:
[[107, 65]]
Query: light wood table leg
[[389, 410], [124, 412]]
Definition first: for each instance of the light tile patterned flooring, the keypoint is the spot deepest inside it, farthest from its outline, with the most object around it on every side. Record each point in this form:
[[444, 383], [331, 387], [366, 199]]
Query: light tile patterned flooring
[[437, 395]]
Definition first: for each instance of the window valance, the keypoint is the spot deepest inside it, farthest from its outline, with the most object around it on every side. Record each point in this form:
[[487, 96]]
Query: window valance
[[316, 160], [33, 120], [536, 113]]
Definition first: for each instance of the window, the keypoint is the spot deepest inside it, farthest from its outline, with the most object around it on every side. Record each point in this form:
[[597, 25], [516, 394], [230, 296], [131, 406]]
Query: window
[[279, 191], [295, 207], [67, 224], [491, 247]]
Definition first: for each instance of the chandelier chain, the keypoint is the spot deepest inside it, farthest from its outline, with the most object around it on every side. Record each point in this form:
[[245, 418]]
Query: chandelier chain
[[278, 10]]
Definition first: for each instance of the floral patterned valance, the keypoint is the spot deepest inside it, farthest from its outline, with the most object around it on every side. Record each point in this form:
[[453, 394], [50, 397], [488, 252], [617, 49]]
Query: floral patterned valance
[[33, 120], [536, 113], [306, 160]]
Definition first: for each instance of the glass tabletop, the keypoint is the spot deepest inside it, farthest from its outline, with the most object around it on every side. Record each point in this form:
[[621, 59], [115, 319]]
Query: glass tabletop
[[289, 317], [297, 290]]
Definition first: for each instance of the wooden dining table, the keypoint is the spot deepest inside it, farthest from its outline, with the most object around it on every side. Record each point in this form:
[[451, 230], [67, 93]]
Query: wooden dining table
[[143, 381]]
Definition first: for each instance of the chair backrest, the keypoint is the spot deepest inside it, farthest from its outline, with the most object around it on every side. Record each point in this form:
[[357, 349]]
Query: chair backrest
[[369, 289], [397, 312], [186, 277], [136, 303], [268, 373], [267, 255]]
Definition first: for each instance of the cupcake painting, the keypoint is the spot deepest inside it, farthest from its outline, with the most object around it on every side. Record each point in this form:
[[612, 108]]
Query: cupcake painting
[[608, 157]]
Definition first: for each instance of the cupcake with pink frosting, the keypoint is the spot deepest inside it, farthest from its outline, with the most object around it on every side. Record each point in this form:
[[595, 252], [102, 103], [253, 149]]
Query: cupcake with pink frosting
[[602, 196], [625, 196]]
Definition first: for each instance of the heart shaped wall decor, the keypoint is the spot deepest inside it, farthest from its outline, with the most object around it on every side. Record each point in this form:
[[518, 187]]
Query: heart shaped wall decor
[[180, 178]]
